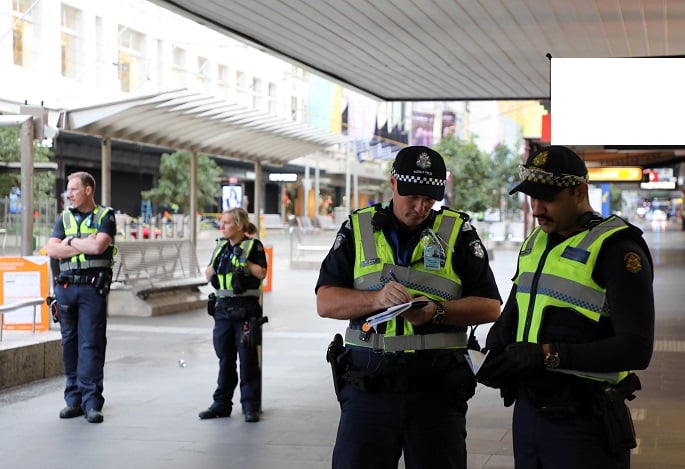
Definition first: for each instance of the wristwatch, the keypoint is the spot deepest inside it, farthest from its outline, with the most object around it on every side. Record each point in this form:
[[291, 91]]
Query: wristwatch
[[70, 239], [552, 358], [439, 316]]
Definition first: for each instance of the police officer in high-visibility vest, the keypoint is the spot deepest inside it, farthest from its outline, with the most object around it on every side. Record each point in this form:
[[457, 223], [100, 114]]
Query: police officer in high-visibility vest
[[83, 241], [403, 384], [236, 270], [579, 318]]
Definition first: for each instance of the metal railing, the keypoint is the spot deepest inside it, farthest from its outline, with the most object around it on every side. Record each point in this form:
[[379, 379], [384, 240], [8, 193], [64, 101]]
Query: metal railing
[[4, 309]]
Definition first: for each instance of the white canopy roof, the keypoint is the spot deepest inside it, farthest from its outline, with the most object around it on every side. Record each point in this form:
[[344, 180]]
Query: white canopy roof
[[190, 121]]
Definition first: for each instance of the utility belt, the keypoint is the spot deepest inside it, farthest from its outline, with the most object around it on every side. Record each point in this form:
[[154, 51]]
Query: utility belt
[[237, 310], [100, 279], [389, 344], [88, 279], [588, 397], [364, 370], [399, 383], [457, 381], [559, 403]]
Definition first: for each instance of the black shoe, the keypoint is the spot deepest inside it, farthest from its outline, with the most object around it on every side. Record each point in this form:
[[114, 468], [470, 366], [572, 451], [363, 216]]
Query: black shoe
[[69, 412], [94, 416], [251, 416], [214, 413]]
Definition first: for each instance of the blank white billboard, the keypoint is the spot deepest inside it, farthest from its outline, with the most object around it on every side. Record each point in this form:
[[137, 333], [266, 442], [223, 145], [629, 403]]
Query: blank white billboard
[[618, 101]]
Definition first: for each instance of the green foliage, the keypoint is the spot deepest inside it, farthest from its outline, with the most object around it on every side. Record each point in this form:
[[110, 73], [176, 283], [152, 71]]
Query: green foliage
[[174, 182], [616, 198], [10, 151], [505, 177], [479, 180]]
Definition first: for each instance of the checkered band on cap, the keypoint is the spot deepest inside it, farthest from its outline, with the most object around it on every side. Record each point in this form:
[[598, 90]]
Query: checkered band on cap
[[550, 179], [412, 179]]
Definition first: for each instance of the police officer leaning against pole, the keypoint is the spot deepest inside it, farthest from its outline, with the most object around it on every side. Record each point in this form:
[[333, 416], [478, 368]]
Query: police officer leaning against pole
[[403, 385], [236, 270], [83, 241], [579, 317]]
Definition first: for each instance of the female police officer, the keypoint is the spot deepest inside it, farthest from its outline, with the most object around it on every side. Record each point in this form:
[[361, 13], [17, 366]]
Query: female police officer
[[236, 270]]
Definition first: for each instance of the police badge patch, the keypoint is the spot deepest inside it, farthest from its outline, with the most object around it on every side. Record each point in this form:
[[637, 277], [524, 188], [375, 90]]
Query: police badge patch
[[338, 241], [633, 262], [477, 249]]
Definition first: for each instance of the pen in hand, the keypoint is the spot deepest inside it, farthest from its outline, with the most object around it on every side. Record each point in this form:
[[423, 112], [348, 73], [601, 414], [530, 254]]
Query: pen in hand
[[394, 277]]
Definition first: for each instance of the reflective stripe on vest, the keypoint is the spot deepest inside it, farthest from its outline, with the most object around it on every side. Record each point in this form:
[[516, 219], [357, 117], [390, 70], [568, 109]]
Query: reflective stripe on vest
[[229, 293], [225, 278], [89, 225], [385, 343], [87, 264], [375, 259], [563, 278]]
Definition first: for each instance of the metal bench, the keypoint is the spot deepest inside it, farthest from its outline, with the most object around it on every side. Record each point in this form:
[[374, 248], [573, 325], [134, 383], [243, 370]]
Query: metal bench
[[146, 269], [300, 248]]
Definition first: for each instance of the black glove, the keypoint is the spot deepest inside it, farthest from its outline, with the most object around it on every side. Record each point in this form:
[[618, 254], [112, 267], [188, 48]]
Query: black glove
[[214, 280], [519, 360], [509, 393]]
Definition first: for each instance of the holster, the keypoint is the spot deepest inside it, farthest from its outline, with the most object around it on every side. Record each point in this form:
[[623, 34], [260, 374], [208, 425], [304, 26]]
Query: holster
[[334, 355], [102, 281], [53, 307], [211, 304], [252, 331], [615, 414]]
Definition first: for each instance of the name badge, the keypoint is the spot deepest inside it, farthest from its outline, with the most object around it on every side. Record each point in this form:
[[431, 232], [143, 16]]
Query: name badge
[[431, 257]]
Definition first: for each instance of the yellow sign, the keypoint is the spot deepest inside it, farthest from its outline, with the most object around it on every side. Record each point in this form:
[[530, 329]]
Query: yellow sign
[[616, 174]]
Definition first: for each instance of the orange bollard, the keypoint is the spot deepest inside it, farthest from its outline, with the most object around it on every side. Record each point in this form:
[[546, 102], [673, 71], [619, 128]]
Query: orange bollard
[[267, 282]]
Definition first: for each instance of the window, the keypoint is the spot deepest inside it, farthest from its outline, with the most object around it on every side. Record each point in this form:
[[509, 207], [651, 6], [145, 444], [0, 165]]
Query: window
[[71, 42], [222, 81], [22, 31], [131, 53], [257, 97], [203, 73], [293, 108], [273, 98], [178, 69], [243, 92]]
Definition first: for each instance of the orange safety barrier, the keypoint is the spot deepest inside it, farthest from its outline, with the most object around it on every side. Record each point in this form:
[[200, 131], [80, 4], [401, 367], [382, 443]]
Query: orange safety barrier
[[267, 282]]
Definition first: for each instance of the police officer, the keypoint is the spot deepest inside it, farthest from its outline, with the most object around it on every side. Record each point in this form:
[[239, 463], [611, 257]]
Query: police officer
[[404, 383], [579, 317], [236, 270], [83, 241]]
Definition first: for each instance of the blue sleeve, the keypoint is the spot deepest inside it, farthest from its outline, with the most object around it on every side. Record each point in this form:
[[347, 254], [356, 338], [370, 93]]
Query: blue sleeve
[[108, 224], [257, 254], [58, 229]]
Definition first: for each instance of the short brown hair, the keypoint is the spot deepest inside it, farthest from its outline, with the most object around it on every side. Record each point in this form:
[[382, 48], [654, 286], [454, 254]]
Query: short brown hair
[[86, 178]]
